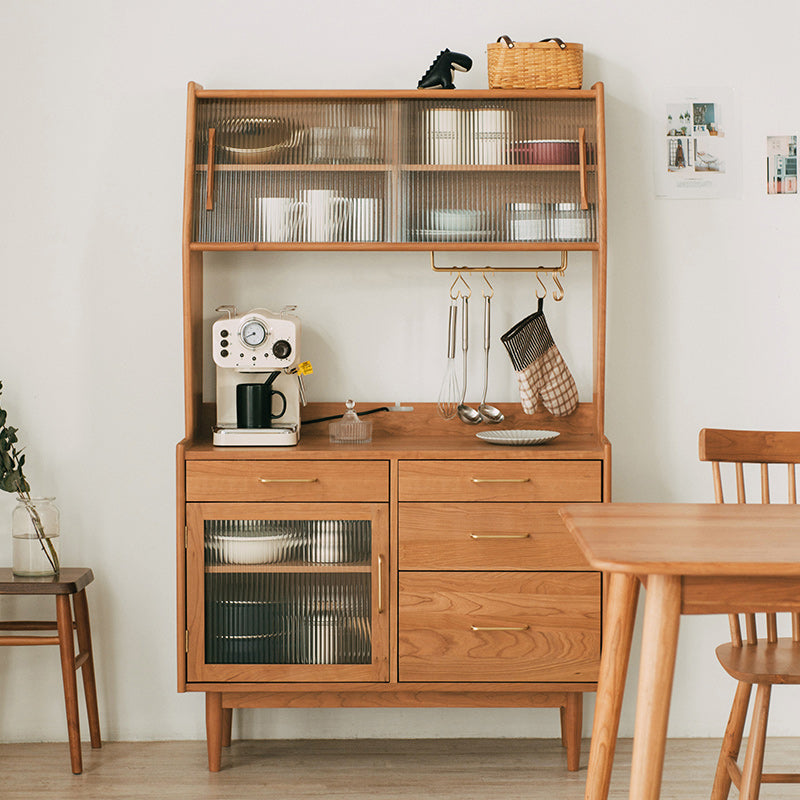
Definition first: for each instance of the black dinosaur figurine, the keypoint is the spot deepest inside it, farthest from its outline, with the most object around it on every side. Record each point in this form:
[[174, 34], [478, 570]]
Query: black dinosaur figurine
[[440, 73]]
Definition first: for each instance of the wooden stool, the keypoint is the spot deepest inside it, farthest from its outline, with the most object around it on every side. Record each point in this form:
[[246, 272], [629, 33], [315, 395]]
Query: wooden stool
[[70, 582]]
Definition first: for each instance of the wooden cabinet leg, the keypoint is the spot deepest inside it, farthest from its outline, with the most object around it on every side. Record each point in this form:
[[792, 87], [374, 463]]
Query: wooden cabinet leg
[[227, 726], [87, 670], [623, 592], [572, 723], [662, 615], [66, 646], [731, 742], [754, 755], [214, 730]]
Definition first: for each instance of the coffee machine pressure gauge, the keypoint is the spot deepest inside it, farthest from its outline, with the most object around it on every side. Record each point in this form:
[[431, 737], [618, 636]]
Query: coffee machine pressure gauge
[[253, 333]]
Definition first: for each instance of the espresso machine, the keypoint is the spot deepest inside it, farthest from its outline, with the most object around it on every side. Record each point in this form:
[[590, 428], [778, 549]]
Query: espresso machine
[[258, 347]]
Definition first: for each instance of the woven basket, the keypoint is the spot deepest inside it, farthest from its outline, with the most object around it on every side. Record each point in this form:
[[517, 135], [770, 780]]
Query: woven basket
[[549, 64]]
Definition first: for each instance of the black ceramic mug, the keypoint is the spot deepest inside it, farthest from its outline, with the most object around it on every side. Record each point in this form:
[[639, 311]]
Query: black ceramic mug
[[254, 405]]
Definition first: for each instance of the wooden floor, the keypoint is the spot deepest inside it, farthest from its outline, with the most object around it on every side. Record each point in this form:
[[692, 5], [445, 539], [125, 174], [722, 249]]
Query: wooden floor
[[460, 769]]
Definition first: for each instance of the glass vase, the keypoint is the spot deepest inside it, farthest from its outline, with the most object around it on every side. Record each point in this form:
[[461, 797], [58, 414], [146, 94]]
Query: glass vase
[[35, 531]]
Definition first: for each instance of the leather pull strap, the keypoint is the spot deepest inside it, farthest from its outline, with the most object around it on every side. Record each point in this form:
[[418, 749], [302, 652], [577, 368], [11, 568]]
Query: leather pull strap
[[555, 39]]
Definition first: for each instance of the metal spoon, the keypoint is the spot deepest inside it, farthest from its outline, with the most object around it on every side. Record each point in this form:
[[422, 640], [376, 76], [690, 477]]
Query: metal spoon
[[465, 413], [489, 413]]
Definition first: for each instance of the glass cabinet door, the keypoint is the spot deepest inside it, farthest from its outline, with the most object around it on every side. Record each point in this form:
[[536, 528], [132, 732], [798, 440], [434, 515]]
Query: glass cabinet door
[[287, 592]]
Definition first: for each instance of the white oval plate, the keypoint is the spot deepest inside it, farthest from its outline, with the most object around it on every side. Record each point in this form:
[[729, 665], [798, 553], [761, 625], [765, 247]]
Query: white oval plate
[[517, 437]]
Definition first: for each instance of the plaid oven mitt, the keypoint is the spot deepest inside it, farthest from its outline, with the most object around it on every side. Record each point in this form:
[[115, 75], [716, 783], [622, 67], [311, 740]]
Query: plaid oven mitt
[[540, 369]]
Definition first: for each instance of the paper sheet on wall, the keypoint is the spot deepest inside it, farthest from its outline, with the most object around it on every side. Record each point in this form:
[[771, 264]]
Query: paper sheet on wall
[[696, 144]]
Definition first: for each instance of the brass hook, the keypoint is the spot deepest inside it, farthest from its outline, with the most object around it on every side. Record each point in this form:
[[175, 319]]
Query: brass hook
[[489, 285], [453, 286], [560, 295], [544, 288], [469, 288]]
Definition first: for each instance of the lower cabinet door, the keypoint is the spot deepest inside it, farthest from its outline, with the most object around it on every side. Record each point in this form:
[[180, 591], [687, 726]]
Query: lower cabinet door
[[287, 592], [499, 626]]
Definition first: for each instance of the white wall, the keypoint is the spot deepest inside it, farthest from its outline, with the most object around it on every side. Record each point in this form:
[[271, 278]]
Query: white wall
[[702, 320]]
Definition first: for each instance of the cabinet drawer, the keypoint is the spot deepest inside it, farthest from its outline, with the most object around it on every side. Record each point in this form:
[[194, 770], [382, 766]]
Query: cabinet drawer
[[485, 536], [288, 481], [520, 481], [499, 626]]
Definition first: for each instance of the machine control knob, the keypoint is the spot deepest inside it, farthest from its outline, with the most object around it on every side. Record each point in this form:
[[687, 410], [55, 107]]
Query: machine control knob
[[281, 349], [223, 353]]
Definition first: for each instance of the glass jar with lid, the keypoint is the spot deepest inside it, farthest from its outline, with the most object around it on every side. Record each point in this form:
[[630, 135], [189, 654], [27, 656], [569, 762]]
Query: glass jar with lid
[[571, 223]]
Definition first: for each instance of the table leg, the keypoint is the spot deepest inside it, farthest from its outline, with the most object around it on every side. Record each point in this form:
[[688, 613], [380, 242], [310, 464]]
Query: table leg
[[623, 592], [662, 614]]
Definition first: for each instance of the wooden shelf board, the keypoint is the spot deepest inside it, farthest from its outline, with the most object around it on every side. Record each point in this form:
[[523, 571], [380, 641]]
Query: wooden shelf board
[[494, 247]]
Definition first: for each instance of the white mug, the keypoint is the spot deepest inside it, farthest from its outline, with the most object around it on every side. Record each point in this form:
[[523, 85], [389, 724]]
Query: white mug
[[324, 214], [276, 219], [365, 220]]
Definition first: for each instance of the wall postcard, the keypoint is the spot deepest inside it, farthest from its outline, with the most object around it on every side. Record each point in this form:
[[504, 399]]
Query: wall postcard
[[781, 165], [696, 144]]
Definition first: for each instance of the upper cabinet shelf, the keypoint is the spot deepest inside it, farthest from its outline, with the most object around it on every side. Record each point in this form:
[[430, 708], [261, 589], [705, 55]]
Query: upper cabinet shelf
[[395, 170]]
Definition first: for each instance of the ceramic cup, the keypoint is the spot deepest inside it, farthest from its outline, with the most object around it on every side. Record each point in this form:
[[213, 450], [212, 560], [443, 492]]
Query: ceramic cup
[[361, 143], [364, 219], [254, 405], [323, 215], [276, 219], [325, 144]]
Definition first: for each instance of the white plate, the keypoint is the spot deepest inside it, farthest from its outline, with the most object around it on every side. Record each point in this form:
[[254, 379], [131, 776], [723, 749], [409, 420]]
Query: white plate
[[517, 437], [454, 236]]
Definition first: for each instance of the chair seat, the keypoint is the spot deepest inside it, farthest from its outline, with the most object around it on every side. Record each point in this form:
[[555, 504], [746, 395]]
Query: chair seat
[[765, 662]]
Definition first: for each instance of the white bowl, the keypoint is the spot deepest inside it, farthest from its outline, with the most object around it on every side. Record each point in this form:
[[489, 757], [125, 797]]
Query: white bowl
[[251, 549], [456, 219]]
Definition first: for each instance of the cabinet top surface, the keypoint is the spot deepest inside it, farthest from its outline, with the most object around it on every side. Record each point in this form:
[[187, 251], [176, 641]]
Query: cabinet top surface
[[403, 94], [420, 434]]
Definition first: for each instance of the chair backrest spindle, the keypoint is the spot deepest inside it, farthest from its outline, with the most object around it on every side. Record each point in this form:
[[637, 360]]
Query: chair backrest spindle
[[738, 448]]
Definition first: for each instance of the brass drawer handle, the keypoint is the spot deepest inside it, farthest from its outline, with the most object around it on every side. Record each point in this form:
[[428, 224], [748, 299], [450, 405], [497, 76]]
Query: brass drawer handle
[[499, 536], [501, 480], [477, 628], [288, 480]]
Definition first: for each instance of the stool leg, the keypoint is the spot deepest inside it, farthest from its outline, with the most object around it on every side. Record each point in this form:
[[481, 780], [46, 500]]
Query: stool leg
[[66, 646], [87, 670]]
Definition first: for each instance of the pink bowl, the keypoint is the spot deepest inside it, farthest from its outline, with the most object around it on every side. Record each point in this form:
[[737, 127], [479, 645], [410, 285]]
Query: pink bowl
[[546, 151]]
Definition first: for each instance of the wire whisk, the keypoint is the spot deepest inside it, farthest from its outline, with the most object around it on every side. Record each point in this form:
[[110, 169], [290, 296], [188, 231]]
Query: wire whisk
[[447, 405]]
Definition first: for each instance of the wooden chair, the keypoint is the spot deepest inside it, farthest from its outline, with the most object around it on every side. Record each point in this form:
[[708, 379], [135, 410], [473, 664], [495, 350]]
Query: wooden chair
[[753, 661], [70, 583]]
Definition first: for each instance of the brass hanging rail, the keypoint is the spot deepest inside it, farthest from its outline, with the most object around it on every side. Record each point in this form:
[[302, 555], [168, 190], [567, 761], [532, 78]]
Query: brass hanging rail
[[555, 272], [560, 269]]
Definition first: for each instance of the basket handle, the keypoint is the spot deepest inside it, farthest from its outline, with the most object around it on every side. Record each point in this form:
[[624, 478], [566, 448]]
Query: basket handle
[[560, 42], [510, 42]]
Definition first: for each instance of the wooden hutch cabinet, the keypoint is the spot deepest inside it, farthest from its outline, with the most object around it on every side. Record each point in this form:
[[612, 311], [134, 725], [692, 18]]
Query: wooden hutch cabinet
[[426, 568]]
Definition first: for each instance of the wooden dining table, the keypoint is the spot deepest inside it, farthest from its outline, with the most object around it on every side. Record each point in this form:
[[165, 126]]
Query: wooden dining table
[[691, 559]]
